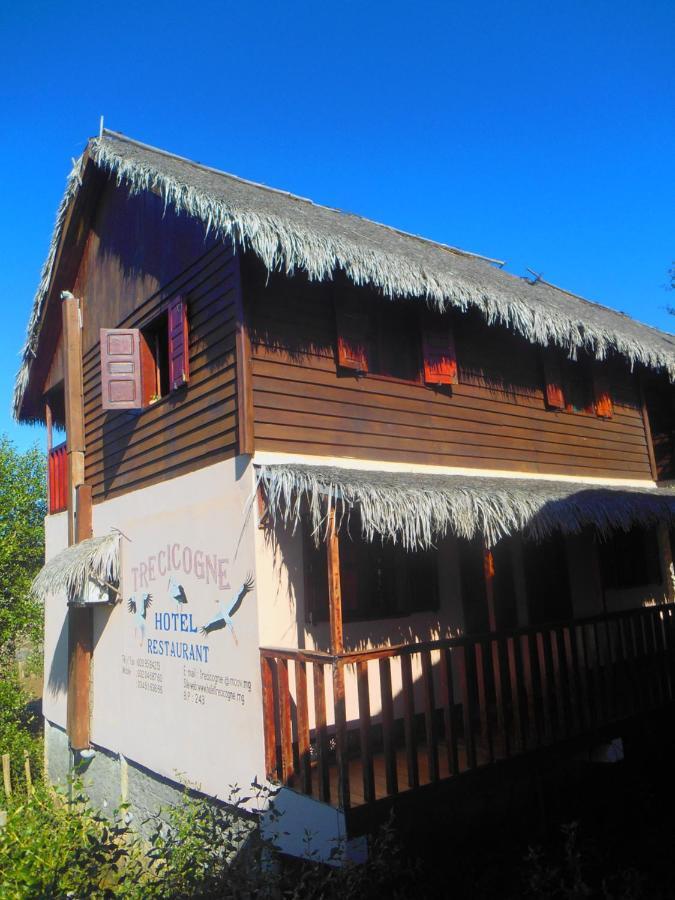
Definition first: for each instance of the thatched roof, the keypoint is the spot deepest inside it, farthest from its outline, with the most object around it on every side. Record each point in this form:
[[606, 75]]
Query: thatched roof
[[69, 571], [292, 234], [416, 510]]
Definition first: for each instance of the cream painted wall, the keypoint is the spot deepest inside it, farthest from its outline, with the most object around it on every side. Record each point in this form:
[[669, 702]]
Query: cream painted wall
[[56, 630], [182, 703]]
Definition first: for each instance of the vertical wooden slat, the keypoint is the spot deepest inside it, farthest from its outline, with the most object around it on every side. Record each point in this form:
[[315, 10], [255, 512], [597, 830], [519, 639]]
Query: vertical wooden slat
[[498, 676], [448, 702], [409, 721], [287, 770], [430, 715], [334, 587], [462, 670], [557, 661], [483, 708], [302, 716], [543, 652], [585, 675], [341, 758], [571, 679], [601, 715], [514, 678], [390, 773], [319, 681], [610, 673], [363, 689], [269, 728], [245, 411], [533, 737]]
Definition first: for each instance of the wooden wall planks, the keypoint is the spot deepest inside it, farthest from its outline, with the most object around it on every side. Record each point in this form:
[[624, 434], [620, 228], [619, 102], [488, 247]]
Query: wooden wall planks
[[134, 262], [494, 418]]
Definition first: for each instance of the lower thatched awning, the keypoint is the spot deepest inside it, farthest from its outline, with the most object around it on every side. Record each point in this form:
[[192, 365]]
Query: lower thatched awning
[[417, 509], [70, 571]]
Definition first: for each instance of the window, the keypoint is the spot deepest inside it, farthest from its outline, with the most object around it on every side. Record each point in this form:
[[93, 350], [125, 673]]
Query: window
[[547, 580], [393, 339], [630, 559], [378, 581], [140, 366], [573, 386]]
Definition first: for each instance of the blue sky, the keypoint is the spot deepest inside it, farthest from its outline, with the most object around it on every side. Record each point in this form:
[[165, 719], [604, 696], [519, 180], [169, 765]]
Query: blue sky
[[539, 133]]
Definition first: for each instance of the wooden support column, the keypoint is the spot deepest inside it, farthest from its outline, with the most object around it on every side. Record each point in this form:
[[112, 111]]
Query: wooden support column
[[489, 574], [337, 649], [666, 560], [245, 414], [80, 622], [72, 367]]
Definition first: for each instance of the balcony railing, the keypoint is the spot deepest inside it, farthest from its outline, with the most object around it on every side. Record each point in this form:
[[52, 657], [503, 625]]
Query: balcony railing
[[57, 478], [383, 721]]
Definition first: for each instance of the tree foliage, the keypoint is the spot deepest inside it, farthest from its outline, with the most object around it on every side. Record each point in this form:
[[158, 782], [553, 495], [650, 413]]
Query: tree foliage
[[22, 511]]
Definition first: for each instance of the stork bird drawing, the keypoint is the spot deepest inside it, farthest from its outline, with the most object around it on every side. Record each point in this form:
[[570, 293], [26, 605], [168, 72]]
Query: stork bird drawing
[[227, 609], [177, 592], [138, 605]]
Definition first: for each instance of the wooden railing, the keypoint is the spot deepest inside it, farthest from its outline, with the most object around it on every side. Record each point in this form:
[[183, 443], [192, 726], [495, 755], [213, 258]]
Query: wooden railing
[[57, 478], [420, 713]]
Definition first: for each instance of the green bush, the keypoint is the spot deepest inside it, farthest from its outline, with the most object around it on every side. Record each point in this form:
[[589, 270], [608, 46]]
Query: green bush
[[18, 727], [53, 848]]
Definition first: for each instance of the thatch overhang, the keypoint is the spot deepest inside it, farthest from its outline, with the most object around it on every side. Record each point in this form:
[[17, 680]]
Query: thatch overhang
[[417, 510], [69, 572], [292, 234]]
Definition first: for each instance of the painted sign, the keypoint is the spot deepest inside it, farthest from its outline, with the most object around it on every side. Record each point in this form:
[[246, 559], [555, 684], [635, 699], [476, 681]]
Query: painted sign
[[186, 696]]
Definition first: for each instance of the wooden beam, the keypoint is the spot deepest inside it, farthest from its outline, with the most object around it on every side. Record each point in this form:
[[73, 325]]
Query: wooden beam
[[334, 587], [245, 413], [80, 619], [84, 527], [49, 423], [80, 640], [648, 429], [72, 367], [489, 575]]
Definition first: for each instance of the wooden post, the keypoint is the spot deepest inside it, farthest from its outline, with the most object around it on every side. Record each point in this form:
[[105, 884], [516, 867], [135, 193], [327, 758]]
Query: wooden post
[[489, 574], [337, 648], [334, 588], [72, 367], [245, 413], [6, 774], [49, 421], [666, 560], [80, 620]]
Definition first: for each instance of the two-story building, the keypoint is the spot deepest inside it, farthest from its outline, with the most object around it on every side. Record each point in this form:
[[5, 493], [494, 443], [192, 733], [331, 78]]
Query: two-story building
[[336, 505]]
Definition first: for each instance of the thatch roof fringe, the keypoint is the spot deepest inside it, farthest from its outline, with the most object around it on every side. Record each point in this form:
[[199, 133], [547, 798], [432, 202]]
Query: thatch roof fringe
[[69, 571], [416, 510], [291, 234]]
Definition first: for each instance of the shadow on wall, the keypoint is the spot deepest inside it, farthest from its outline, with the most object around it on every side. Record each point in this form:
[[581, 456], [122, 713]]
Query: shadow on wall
[[289, 589], [57, 679]]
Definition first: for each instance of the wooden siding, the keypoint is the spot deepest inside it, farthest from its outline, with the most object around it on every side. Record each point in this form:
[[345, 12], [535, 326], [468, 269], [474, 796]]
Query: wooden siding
[[495, 418], [135, 261]]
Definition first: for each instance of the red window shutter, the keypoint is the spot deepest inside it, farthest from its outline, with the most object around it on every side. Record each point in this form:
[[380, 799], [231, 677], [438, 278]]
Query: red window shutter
[[179, 362], [555, 395], [438, 351], [121, 368], [604, 406], [352, 335]]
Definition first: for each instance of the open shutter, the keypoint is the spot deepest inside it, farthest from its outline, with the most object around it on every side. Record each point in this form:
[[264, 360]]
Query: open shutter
[[438, 352], [121, 368], [352, 335], [555, 395], [604, 406], [179, 363]]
